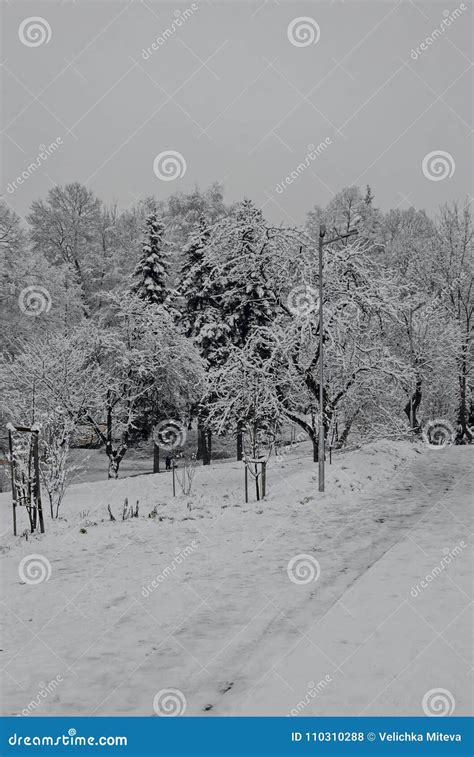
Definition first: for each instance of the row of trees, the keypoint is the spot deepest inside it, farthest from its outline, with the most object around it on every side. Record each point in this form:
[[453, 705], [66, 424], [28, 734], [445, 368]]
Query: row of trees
[[194, 310]]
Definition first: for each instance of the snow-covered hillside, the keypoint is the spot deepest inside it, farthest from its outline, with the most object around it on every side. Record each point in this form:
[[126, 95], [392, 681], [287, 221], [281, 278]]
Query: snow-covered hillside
[[304, 603]]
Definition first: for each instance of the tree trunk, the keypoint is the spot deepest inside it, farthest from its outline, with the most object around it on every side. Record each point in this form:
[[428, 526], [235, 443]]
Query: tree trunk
[[463, 411], [204, 444], [201, 440], [207, 459], [347, 428], [257, 488], [411, 408], [156, 458], [113, 468], [206, 451]]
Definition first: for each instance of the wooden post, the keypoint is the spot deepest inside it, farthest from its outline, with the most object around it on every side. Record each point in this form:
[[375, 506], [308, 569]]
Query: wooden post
[[32, 499], [256, 483], [37, 494], [330, 455], [246, 484], [12, 470], [264, 479], [240, 441], [173, 466], [156, 458]]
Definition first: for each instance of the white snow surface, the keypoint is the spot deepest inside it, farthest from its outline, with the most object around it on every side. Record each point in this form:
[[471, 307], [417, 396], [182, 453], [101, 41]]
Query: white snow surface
[[225, 624]]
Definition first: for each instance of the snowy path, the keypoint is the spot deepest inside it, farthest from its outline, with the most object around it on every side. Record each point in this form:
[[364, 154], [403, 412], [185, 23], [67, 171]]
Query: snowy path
[[388, 639], [226, 626]]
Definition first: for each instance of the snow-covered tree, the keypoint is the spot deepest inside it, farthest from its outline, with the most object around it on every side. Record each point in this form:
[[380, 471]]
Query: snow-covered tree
[[146, 362], [455, 274], [195, 299], [349, 209], [56, 468], [239, 285], [195, 307], [150, 275], [423, 335], [65, 229], [357, 301], [240, 252], [243, 393], [49, 382]]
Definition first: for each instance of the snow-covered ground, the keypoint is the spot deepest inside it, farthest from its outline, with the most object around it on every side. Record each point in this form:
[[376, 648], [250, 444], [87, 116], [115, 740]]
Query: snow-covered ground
[[206, 598]]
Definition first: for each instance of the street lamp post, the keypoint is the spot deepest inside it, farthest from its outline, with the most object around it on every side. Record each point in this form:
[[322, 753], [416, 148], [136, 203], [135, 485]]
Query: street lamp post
[[322, 233], [321, 442]]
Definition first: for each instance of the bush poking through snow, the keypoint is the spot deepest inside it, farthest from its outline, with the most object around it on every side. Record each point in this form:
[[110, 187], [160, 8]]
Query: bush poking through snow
[[185, 474], [128, 511]]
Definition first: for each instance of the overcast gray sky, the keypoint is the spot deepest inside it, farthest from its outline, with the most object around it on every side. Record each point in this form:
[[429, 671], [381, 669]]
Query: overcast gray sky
[[239, 90]]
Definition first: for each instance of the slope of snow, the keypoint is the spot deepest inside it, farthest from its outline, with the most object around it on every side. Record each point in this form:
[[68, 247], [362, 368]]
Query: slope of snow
[[200, 599]]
